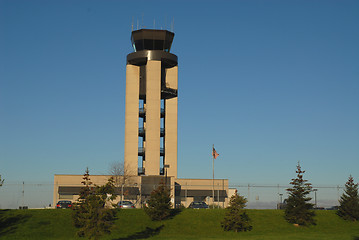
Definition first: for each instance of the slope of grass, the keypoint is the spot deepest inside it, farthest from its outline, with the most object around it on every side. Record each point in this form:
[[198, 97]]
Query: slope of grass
[[36, 224], [189, 224]]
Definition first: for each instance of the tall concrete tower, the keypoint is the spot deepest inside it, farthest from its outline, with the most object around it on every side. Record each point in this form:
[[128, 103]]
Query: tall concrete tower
[[151, 105]]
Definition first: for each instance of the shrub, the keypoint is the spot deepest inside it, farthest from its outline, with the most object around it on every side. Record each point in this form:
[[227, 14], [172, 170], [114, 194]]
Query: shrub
[[298, 209], [236, 218], [159, 204], [349, 201], [90, 214]]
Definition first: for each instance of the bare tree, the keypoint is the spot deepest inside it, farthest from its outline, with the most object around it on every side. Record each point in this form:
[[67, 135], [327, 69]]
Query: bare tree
[[121, 176], [117, 170]]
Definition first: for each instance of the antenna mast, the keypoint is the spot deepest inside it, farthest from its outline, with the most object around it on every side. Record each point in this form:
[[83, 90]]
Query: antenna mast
[[172, 24], [132, 25], [142, 21]]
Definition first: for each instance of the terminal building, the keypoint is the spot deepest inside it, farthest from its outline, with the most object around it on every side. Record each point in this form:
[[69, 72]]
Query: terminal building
[[150, 131]]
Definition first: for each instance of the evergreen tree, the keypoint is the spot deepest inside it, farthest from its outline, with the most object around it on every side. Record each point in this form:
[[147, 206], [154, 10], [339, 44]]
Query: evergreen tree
[[159, 204], [349, 201], [236, 218], [298, 209], [81, 213], [90, 213], [1, 181]]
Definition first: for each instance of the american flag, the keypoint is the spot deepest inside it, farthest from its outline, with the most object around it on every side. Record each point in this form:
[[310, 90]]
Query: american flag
[[214, 153]]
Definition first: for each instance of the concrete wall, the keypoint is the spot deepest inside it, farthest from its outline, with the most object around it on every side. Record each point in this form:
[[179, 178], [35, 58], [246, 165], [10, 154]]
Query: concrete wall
[[171, 123], [132, 118], [153, 117]]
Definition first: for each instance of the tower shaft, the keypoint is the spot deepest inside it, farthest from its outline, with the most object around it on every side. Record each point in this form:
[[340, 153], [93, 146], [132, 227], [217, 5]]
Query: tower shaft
[[151, 105]]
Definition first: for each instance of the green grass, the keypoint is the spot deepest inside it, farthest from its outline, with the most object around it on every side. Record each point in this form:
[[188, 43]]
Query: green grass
[[189, 224]]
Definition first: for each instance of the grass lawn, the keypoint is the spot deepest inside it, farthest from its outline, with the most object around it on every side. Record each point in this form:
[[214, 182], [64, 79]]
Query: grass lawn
[[189, 224]]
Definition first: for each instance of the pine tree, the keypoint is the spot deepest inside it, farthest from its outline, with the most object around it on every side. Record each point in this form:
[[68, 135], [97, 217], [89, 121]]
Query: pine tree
[[81, 208], [159, 204], [349, 201], [1, 181], [298, 209], [90, 213], [236, 218]]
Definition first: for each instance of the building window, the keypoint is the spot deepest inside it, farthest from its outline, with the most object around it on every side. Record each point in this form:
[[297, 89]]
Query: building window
[[65, 196]]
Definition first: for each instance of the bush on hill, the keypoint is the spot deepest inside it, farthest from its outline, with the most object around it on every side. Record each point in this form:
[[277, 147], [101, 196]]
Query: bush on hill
[[298, 209], [159, 204], [349, 201], [236, 218], [90, 214]]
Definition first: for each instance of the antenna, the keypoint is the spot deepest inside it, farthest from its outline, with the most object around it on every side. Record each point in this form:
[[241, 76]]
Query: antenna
[[132, 25], [137, 24], [142, 21], [154, 23], [23, 193], [172, 24]]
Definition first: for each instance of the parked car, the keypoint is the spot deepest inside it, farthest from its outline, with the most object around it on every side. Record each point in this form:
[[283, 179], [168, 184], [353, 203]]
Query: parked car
[[198, 205], [126, 204], [282, 205], [64, 204], [145, 204], [332, 208]]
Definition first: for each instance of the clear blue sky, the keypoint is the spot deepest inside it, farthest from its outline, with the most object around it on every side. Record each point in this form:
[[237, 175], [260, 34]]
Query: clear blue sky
[[270, 83]]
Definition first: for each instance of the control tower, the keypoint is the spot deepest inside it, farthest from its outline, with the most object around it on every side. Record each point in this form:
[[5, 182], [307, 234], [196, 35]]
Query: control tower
[[151, 105], [151, 131]]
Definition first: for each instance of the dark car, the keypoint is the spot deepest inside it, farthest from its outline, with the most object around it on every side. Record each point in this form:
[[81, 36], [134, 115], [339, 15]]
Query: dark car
[[332, 208], [126, 204], [198, 205], [64, 204]]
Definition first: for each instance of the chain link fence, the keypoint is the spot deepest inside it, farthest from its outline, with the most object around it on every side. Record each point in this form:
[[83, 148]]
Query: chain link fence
[[261, 196], [30, 194], [14, 195]]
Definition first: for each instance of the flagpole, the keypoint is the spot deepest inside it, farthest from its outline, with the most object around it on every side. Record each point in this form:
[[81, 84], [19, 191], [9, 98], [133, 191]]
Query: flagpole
[[213, 174]]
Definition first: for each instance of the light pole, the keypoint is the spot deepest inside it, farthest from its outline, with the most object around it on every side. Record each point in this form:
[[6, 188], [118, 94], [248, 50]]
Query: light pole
[[280, 204], [315, 197], [122, 192]]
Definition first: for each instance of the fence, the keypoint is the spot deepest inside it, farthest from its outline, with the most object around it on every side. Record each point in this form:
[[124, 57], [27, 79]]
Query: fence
[[260, 196], [31, 194]]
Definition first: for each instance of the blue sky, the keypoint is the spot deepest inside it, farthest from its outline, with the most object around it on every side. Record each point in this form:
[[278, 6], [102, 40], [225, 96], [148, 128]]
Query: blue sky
[[270, 83]]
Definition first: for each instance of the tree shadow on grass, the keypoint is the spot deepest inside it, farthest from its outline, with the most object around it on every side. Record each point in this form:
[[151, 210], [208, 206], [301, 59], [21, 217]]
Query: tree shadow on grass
[[8, 224], [174, 212], [356, 238], [147, 233]]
